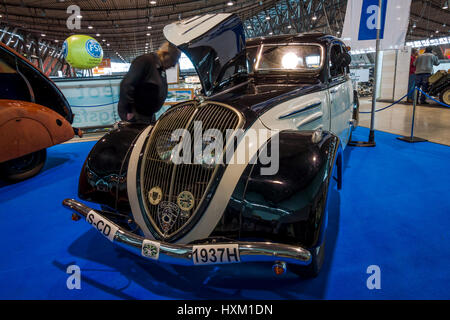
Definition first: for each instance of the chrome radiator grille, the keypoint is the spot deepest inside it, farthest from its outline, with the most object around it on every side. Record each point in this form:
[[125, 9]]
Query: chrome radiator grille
[[164, 184]]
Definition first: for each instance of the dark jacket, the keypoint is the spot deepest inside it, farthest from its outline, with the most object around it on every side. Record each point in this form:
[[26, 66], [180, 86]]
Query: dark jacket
[[143, 90]]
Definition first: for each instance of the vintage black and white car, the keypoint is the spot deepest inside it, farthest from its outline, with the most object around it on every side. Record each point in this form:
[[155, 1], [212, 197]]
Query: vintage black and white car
[[209, 211]]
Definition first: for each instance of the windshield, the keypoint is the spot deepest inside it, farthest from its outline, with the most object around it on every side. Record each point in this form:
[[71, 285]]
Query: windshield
[[285, 57]]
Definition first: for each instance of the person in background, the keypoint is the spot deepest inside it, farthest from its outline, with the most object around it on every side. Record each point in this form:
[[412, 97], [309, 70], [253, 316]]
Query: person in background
[[143, 90], [412, 74], [424, 68]]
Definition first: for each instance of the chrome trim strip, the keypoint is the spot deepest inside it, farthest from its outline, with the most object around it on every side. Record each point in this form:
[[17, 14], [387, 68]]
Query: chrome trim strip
[[307, 108], [259, 57], [181, 254], [309, 119]]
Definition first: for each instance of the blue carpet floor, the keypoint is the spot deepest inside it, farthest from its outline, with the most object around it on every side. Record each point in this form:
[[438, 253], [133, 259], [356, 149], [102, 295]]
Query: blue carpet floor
[[394, 213]]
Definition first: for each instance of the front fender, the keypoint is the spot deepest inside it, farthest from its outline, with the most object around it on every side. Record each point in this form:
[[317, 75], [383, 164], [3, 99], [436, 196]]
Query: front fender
[[289, 206], [104, 173], [26, 127]]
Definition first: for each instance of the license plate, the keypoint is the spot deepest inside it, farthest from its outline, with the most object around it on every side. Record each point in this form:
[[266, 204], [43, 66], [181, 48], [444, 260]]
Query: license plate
[[216, 254], [103, 226]]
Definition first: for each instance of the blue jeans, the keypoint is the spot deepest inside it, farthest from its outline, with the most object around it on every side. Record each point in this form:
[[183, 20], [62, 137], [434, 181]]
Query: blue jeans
[[411, 85], [422, 83]]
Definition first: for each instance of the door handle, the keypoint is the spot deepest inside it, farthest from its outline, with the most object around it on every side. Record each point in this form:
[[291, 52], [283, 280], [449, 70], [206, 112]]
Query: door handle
[[334, 91]]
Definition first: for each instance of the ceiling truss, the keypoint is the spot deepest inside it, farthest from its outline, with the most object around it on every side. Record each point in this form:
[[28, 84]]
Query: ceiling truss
[[127, 29]]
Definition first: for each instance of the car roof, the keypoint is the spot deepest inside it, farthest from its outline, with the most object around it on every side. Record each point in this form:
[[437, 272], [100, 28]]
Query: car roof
[[320, 38]]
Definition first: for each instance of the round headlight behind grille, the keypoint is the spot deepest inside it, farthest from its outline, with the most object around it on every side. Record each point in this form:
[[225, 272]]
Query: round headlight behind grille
[[165, 145], [208, 159]]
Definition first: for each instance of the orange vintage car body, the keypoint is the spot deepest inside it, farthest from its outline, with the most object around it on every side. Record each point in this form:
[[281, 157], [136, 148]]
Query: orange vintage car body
[[34, 115], [27, 127]]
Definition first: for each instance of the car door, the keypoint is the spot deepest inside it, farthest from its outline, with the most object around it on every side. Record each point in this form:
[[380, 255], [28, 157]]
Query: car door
[[310, 109], [340, 92]]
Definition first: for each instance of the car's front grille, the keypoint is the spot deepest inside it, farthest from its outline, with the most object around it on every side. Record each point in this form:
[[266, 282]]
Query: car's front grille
[[167, 189]]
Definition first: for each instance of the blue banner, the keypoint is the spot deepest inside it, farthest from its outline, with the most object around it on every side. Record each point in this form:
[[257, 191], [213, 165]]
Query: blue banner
[[369, 19]]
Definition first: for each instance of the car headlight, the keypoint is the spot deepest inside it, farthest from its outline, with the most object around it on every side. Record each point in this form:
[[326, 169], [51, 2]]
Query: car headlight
[[208, 158], [165, 145]]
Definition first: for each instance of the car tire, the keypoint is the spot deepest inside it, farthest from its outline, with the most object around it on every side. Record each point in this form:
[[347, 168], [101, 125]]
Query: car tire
[[313, 269], [444, 97], [25, 167]]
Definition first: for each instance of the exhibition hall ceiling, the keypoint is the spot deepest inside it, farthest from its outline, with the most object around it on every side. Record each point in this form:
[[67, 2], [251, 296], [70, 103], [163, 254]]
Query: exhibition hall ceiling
[[127, 27]]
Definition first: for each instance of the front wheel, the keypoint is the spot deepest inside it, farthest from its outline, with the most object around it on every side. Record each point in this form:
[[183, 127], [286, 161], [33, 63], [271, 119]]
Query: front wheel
[[313, 269], [25, 167], [445, 96]]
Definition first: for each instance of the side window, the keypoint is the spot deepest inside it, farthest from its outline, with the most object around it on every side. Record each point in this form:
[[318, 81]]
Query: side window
[[12, 85], [336, 70]]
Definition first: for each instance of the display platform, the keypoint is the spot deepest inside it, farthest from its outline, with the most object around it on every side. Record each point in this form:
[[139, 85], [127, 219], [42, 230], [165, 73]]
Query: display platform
[[394, 213]]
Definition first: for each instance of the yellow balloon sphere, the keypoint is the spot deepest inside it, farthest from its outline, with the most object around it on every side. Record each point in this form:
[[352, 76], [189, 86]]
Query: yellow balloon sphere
[[82, 52]]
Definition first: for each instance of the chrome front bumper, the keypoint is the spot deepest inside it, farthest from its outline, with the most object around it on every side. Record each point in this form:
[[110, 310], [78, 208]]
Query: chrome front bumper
[[181, 254]]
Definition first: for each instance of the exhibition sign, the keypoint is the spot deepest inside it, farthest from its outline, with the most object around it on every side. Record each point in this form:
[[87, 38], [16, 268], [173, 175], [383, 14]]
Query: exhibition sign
[[104, 68], [360, 75], [362, 19], [176, 95], [173, 75], [93, 102]]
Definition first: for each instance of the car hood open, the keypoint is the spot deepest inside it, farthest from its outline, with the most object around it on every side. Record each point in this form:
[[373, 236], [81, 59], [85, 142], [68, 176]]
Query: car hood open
[[215, 43]]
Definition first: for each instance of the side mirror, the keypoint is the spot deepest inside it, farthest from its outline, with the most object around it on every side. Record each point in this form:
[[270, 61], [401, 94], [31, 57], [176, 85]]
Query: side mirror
[[345, 59]]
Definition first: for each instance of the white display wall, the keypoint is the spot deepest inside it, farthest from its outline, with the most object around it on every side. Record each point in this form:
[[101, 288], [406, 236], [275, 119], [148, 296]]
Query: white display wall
[[394, 75]]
